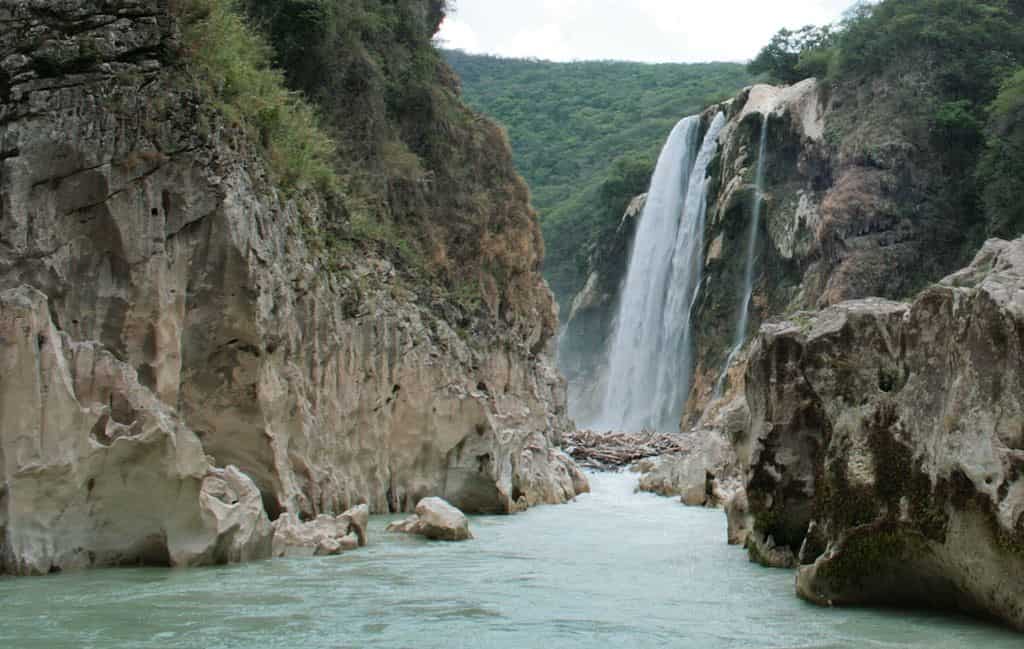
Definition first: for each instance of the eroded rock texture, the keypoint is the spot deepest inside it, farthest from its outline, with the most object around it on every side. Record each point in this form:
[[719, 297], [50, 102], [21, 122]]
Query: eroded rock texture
[[163, 316], [706, 475], [96, 470], [323, 536], [888, 444]]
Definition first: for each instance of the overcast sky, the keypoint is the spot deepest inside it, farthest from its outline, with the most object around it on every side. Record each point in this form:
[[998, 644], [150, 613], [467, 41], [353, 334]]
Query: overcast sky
[[628, 30]]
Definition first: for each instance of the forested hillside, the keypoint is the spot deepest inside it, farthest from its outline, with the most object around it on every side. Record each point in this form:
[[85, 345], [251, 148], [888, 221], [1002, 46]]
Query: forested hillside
[[586, 135]]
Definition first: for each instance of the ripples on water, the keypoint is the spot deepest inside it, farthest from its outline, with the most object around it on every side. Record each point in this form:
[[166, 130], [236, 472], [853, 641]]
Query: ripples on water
[[613, 570]]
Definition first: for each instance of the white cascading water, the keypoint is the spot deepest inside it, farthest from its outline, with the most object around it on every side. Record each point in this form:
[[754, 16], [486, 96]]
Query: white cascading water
[[651, 358], [743, 315]]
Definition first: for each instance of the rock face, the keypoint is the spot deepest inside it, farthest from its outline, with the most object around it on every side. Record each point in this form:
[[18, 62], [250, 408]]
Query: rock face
[[887, 444], [705, 476], [326, 535], [437, 520], [96, 470], [845, 170], [163, 316]]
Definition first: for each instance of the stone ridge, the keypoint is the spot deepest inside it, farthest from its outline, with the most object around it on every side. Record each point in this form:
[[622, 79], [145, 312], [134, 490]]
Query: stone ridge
[[140, 229], [887, 445]]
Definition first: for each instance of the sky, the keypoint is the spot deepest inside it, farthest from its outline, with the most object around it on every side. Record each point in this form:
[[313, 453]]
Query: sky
[[654, 31]]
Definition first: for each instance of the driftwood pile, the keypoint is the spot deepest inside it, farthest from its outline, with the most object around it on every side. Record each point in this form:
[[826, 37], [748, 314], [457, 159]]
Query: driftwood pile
[[598, 450]]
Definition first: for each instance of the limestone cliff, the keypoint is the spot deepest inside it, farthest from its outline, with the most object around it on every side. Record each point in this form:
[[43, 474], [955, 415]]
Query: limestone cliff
[[179, 363], [854, 205], [851, 208], [887, 443]]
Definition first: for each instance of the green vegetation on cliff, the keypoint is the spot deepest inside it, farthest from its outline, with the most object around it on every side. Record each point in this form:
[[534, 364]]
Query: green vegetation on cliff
[[234, 61], [586, 136], [1001, 171], [353, 97], [944, 62]]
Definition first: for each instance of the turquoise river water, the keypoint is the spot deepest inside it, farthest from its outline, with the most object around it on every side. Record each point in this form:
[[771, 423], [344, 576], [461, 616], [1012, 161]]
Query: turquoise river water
[[615, 569]]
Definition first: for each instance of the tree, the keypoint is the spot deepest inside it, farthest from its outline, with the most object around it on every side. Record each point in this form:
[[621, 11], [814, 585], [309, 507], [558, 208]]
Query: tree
[[1001, 171], [795, 55]]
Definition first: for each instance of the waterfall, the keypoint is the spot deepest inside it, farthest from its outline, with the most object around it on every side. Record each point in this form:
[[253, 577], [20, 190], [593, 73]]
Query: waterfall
[[743, 314], [651, 357]]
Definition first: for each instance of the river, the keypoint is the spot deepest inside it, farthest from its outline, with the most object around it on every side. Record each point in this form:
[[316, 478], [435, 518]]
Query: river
[[613, 570]]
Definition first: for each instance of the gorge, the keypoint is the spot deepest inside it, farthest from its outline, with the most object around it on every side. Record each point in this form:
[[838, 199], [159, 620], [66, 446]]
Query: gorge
[[171, 310], [268, 284]]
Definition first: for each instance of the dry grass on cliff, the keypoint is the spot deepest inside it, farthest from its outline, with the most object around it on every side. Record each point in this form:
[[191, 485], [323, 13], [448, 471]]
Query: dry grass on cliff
[[234, 63]]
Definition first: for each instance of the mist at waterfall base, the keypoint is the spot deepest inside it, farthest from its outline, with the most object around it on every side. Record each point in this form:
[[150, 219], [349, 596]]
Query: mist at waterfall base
[[651, 351], [743, 314]]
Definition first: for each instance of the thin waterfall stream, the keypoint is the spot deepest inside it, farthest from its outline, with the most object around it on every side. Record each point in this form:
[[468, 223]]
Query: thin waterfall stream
[[743, 313]]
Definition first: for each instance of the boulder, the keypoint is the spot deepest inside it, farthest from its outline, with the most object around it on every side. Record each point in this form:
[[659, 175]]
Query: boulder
[[230, 499], [437, 520], [888, 445], [738, 518], [323, 536], [706, 475]]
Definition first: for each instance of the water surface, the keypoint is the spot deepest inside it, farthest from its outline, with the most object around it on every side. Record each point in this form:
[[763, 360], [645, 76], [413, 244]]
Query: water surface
[[613, 570]]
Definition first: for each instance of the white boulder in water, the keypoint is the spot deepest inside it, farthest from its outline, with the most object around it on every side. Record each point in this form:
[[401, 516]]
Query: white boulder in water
[[324, 536], [437, 520]]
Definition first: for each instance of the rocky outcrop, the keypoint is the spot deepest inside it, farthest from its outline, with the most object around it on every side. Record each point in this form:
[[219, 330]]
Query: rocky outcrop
[[849, 207], [888, 444], [706, 475], [166, 316], [436, 520], [323, 536], [95, 470]]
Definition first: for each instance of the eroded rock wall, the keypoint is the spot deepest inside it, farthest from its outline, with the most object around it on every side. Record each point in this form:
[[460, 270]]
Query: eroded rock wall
[[96, 470], [141, 235], [888, 442]]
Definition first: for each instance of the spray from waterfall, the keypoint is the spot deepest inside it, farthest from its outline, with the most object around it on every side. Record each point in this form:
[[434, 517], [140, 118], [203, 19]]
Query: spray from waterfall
[[651, 357], [743, 315]]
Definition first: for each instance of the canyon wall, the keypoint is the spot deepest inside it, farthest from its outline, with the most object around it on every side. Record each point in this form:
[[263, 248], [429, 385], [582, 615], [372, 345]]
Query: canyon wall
[[180, 363]]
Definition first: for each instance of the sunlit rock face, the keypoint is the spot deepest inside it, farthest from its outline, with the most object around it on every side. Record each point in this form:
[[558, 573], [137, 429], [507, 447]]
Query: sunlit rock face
[[96, 470], [888, 442], [164, 321]]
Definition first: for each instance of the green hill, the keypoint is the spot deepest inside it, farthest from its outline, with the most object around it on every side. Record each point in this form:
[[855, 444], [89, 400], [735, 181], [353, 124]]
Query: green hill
[[586, 136]]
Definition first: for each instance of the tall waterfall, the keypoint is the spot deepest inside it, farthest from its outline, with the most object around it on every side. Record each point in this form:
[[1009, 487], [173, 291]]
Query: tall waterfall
[[651, 356], [743, 315]]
